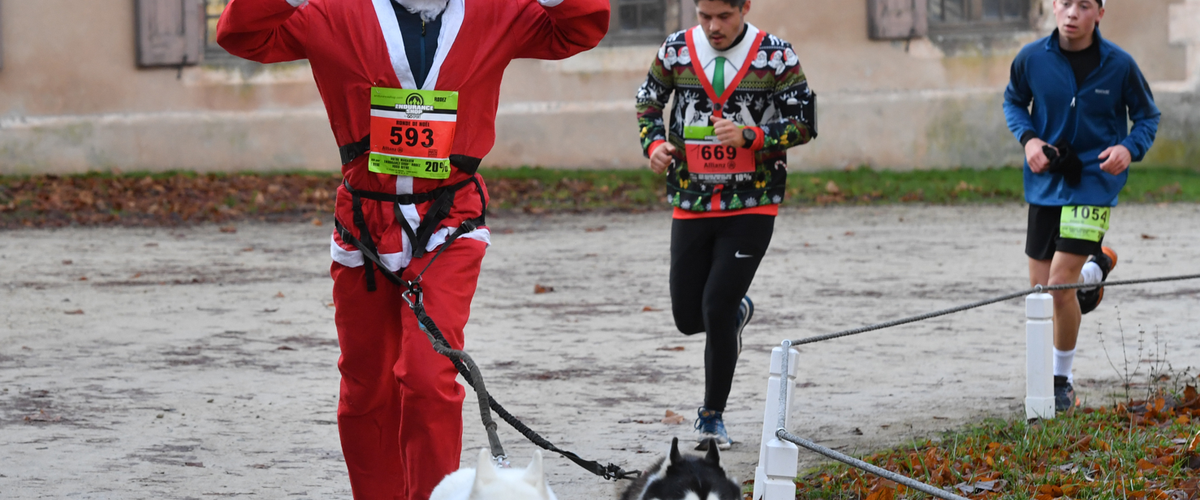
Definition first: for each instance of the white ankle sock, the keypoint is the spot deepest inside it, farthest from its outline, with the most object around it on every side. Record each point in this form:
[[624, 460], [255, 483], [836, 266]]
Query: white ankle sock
[[1062, 364], [1091, 274]]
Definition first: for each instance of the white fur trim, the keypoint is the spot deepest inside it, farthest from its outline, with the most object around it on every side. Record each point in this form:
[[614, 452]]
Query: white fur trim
[[550, 3], [439, 237], [297, 3], [354, 258], [452, 21], [395, 43]]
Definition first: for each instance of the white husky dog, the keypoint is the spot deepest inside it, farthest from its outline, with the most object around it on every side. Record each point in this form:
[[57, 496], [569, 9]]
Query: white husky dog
[[486, 482]]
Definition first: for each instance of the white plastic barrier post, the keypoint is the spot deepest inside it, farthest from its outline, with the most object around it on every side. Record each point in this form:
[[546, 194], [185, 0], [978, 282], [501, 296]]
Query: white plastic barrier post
[[1039, 352], [778, 461]]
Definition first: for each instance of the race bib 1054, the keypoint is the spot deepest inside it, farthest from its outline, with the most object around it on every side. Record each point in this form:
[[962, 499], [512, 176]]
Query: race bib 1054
[[1084, 222]]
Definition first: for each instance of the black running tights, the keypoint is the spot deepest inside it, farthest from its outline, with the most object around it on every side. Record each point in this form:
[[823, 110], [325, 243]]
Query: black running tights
[[713, 262]]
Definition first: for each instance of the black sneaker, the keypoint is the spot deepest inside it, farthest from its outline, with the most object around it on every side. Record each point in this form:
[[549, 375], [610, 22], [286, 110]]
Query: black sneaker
[[744, 313], [1064, 394], [1090, 299]]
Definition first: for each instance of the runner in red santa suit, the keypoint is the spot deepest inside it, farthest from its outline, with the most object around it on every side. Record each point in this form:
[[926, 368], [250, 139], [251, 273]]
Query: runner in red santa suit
[[411, 89]]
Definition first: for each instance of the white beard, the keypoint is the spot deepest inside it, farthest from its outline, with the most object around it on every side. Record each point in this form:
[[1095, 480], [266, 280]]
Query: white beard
[[428, 9]]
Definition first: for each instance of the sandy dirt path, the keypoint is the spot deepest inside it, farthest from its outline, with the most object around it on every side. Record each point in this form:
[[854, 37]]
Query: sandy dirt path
[[192, 363]]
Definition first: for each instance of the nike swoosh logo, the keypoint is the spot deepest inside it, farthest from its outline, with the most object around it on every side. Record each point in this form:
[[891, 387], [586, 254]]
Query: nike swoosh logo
[[740, 255]]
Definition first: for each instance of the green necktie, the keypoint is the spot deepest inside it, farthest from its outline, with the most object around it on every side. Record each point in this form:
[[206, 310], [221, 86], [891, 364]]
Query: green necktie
[[719, 76]]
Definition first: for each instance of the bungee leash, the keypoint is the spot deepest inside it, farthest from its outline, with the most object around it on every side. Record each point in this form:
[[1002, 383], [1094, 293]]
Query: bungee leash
[[414, 298]]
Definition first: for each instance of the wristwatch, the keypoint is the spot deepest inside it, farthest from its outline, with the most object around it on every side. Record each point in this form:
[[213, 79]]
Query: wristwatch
[[750, 136]]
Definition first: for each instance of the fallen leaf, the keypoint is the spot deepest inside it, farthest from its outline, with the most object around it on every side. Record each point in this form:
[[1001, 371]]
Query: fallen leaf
[[881, 492], [857, 431], [993, 486], [279, 295], [68, 262], [270, 310], [673, 418], [649, 309], [83, 278], [194, 464], [667, 348], [849, 233], [228, 229], [832, 188], [317, 222], [595, 229], [248, 249], [150, 245], [77, 311], [42, 416], [284, 348], [542, 289], [1148, 237], [135, 276]]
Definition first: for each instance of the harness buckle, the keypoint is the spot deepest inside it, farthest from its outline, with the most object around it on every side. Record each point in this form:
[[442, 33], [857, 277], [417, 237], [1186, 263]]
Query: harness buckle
[[413, 296]]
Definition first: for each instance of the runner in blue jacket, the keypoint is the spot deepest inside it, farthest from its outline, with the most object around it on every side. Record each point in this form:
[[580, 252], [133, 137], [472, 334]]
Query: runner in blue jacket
[[1078, 147]]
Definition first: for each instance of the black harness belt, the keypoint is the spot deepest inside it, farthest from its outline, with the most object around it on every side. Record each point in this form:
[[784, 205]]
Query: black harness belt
[[349, 152], [442, 200]]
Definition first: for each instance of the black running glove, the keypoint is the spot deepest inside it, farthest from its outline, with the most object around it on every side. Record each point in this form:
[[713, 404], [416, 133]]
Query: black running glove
[[1064, 161]]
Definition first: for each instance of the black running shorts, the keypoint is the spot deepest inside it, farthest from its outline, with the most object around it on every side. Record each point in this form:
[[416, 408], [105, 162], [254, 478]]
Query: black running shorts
[[1043, 239]]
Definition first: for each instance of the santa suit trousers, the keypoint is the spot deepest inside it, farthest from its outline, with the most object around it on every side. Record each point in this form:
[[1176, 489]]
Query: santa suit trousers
[[400, 410]]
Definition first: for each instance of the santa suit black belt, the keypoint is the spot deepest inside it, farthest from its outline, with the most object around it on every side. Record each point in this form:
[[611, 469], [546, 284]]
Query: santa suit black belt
[[442, 198]]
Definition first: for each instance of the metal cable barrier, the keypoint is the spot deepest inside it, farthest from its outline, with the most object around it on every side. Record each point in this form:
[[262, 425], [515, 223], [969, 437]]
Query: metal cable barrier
[[783, 434], [974, 305], [878, 471]]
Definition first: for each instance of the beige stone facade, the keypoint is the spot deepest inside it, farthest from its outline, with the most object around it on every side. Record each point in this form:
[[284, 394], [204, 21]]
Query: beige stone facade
[[73, 99]]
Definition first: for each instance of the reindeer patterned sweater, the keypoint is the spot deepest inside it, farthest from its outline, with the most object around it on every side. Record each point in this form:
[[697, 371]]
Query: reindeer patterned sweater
[[773, 98]]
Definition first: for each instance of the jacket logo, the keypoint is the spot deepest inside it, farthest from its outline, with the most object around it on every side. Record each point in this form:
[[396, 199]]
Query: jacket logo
[[1102, 91]]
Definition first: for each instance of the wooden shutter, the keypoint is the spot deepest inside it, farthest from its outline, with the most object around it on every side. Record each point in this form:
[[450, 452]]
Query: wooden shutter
[[170, 32], [897, 19], [1, 35]]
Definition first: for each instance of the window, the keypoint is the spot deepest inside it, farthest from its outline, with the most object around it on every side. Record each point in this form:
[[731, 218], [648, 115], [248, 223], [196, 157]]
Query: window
[[976, 15], [638, 21], [170, 33], [212, 13]]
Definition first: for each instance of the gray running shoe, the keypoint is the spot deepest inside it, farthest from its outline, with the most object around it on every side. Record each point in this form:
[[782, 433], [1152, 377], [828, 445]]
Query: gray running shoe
[[1064, 394]]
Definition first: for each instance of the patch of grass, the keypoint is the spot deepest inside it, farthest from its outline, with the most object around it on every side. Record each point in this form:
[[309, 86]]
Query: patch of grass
[[1144, 449], [183, 197]]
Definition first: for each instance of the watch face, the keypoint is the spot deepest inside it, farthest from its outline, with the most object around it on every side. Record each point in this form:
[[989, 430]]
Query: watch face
[[748, 135]]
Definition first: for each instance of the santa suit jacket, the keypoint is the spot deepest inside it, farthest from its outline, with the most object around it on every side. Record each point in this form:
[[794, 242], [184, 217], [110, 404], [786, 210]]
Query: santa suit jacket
[[353, 45]]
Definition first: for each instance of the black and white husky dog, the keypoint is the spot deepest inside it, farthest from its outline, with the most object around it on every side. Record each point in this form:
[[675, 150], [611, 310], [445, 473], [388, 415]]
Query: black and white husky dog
[[679, 477]]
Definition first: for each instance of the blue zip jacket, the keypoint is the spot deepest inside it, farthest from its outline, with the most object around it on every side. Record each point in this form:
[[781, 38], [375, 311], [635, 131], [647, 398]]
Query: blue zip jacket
[[1092, 117]]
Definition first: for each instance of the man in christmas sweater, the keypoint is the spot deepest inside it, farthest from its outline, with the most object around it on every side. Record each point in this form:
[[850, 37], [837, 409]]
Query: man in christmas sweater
[[411, 89], [741, 100]]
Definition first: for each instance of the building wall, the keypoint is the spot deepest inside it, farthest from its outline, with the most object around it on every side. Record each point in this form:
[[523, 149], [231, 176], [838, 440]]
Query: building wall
[[72, 99]]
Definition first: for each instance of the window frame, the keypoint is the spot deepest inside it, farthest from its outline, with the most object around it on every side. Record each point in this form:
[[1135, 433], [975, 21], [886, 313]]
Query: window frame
[[212, 51], [975, 22], [618, 37]]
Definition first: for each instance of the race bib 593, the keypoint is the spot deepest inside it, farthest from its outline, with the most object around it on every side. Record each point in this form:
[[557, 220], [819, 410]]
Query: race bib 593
[[412, 132]]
